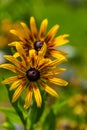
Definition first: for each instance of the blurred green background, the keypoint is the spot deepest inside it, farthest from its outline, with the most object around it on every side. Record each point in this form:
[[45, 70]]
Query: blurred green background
[[70, 111]]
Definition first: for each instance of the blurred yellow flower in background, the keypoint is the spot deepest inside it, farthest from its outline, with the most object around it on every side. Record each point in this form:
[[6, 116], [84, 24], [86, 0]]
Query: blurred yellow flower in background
[[5, 35], [79, 104]]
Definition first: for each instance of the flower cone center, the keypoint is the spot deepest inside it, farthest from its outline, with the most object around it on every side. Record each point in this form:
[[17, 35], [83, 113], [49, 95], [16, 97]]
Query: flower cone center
[[38, 45], [33, 74]]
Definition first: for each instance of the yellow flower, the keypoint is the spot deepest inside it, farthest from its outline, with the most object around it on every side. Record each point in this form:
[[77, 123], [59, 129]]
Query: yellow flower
[[34, 73], [31, 38]]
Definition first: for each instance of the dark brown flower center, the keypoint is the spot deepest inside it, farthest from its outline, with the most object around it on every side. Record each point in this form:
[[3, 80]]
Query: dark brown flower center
[[33, 74], [38, 45]]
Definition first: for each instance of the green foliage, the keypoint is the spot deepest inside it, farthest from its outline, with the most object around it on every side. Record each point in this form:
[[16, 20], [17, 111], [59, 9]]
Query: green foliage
[[50, 121], [11, 115], [8, 125]]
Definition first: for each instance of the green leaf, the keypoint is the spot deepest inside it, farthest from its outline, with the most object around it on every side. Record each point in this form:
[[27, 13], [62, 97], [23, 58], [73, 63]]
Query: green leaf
[[50, 121], [11, 114], [35, 112], [38, 110], [17, 105]]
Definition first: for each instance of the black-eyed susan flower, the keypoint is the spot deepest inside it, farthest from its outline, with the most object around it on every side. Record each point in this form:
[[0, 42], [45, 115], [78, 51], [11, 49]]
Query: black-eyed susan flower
[[31, 38], [34, 73]]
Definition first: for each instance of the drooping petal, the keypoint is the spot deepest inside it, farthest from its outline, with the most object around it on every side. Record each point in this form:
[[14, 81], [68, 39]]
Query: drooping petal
[[43, 28], [51, 33], [37, 95], [28, 98], [11, 79], [33, 28], [61, 40], [58, 81], [49, 89], [12, 68], [18, 92]]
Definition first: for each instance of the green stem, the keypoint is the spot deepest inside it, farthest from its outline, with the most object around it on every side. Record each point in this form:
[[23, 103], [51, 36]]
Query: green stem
[[20, 113]]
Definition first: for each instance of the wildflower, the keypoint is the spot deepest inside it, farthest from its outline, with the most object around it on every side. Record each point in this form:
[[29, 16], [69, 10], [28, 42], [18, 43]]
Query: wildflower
[[79, 104], [33, 73], [31, 38]]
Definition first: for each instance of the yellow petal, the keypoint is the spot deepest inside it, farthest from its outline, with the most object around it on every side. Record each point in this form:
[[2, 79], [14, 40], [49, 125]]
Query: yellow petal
[[43, 62], [44, 66], [58, 81], [18, 34], [12, 68], [49, 90], [58, 71], [21, 53], [26, 30], [12, 44], [42, 51], [18, 92], [15, 84], [32, 56], [11, 79], [51, 33], [61, 40], [37, 95], [60, 52], [43, 28], [53, 72], [57, 55], [16, 54], [20, 50], [33, 27], [51, 64], [13, 60], [28, 99], [40, 57]]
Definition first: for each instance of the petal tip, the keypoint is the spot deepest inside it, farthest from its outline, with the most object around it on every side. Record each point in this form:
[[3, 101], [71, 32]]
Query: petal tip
[[26, 107], [3, 82], [13, 31]]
